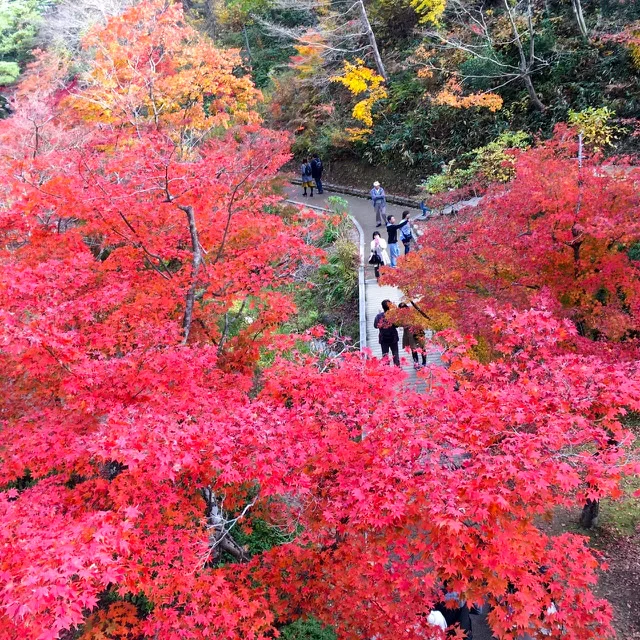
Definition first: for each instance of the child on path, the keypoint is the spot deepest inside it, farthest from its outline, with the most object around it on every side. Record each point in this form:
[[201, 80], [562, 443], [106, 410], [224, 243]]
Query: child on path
[[406, 235], [379, 203], [305, 174], [379, 255]]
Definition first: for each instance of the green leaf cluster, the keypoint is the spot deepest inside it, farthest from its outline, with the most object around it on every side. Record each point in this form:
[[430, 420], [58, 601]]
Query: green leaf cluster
[[19, 23], [485, 165], [307, 629]]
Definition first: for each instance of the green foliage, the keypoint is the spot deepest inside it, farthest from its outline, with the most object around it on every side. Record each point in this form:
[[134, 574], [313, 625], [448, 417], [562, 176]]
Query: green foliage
[[19, 22], [331, 297], [338, 278], [25, 482], [594, 125], [394, 20], [336, 226], [307, 629], [141, 603], [9, 72], [339, 205], [412, 132], [260, 536], [484, 165], [237, 27], [634, 251], [623, 515]]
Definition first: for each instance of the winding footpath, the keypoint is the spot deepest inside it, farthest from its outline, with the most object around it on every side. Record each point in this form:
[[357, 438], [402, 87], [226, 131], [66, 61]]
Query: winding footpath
[[362, 211]]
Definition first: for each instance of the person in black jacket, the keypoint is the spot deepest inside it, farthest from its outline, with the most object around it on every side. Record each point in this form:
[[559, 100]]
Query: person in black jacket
[[392, 231], [458, 615], [316, 171], [387, 334]]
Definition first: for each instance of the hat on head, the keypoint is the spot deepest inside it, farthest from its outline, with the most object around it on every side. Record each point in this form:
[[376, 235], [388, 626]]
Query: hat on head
[[376, 184]]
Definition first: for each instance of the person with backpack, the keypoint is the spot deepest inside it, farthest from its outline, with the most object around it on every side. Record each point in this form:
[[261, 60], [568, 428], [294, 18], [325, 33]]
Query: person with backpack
[[305, 174], [379, 200], [392, 236], [316, 171], [379, 255], [405, 233], [387, 334]]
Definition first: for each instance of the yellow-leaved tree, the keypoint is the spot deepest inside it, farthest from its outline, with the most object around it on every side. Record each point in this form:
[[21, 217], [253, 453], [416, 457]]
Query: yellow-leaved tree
[[359, 79], [429, 10]]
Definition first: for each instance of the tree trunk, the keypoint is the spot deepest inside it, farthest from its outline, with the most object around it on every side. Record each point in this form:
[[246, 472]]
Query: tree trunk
[[590, 513], [219, 535], [526, 65], [577, 12], [372, 40], [197, 261], [246, 42], [533, 96]]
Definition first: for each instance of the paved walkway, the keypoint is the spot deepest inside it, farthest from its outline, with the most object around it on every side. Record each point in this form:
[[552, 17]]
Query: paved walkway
[[362, 210]]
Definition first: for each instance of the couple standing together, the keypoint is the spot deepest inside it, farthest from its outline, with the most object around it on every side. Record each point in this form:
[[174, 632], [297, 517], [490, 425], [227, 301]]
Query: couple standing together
[[412, 336], [311, 172]]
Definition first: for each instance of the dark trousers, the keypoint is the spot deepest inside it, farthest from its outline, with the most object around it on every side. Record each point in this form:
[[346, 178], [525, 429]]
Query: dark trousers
[[414, 355], [394, 352], [319, 184], [459, 616], [407, 246]]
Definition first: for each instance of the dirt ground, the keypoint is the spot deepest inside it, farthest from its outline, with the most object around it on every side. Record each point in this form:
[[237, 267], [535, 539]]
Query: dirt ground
[[620, 584], [351, 172]]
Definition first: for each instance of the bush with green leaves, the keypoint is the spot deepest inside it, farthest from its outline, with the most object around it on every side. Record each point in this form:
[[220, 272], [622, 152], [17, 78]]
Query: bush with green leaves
[[307, 629], [19, 22], [332, 292], [484, 165]]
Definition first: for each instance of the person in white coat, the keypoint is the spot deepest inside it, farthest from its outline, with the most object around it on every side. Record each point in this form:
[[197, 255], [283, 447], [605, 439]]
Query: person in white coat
[[379, 255]]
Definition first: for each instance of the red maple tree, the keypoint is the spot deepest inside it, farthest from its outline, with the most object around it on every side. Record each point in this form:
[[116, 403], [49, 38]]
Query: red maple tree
[[145, 269], [556, 227]]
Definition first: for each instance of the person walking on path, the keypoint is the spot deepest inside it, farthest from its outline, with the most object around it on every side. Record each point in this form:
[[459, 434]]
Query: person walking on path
[[387, 334], [406, 234], [316, 171], [458, 615], [379, 199], [413, 338], [379, 255], [305, 174], [392, 236]]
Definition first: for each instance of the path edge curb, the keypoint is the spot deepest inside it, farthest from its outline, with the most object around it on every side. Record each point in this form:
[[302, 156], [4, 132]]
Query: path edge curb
[[361, 193], [362, 292]]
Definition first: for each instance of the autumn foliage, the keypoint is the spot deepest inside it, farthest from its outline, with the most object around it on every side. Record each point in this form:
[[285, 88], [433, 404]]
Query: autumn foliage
[[150, 407], [557, 227]]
